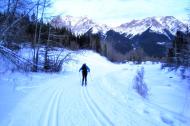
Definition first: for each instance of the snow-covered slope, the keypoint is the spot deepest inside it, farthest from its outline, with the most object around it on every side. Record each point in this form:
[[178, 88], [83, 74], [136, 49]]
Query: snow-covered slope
[[79, 25], [39, 99], [84, 24], [172, 24], [67, 21], [156, 24], [160, 25]]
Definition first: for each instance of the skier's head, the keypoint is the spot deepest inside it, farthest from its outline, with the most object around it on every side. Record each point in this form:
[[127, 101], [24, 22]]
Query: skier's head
[[84, 64]]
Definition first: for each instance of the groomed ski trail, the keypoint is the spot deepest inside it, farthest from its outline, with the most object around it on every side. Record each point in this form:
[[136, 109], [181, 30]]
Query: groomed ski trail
[[55, 104], [102, 119], [108, 100]]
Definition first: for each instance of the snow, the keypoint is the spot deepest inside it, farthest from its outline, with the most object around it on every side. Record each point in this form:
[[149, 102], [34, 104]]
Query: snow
[[42, 99], [156, 24], [161, 43], [79, 25]]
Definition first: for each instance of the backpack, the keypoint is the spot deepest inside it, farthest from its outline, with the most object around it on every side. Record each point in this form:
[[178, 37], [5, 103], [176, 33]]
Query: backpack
[[84, 68]]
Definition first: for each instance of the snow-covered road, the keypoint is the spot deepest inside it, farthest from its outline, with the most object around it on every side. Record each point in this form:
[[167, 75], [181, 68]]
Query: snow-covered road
[[108, 100]]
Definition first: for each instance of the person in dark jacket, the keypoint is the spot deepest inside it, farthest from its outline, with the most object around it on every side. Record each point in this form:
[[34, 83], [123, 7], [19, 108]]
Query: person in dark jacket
[[85, 69]]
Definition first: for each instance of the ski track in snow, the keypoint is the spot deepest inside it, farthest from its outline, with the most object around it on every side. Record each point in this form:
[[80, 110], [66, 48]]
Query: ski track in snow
[[107, 100], [50, 115], [95, 110], [56, 101]]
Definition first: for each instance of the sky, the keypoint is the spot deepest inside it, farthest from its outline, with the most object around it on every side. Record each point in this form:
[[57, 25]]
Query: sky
[[116, 12]]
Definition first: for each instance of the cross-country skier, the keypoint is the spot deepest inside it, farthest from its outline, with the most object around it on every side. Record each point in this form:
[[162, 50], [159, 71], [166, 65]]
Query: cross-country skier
[[85, 69]]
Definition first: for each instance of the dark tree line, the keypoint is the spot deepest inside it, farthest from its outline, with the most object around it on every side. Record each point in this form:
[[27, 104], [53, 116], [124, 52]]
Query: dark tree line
[[38, 34], [24, 31], [179, 54]]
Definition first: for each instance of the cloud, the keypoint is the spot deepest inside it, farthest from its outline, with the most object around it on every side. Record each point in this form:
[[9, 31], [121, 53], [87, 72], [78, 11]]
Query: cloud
[[117, 11]]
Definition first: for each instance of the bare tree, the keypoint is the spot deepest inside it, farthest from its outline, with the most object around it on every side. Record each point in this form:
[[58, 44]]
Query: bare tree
[[37, 37], [13, 9], [42, 60]]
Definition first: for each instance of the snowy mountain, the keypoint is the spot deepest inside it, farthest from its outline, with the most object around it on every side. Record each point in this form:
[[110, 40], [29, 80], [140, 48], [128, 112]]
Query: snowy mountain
[[147, 33], [152, 34], [79, 25], [165, 25], [160, 25]]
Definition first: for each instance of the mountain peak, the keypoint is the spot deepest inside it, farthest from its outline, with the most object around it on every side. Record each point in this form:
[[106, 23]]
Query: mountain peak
[[79, 25], [156, 24]]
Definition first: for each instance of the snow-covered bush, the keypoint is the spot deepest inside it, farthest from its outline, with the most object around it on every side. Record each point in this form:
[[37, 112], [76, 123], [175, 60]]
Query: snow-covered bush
[[54, 59], [139, 85], [16, 60]]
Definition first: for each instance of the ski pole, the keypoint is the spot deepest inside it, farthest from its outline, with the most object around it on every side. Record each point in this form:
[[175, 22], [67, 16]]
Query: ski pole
[[80, 77], [90, 76]]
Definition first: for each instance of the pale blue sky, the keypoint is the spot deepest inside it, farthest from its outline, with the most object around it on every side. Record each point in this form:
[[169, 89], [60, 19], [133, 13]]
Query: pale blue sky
[[115, 12]]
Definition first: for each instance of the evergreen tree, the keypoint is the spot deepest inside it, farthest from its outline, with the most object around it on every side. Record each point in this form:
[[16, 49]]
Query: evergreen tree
[[179, 54], [180, 49]]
